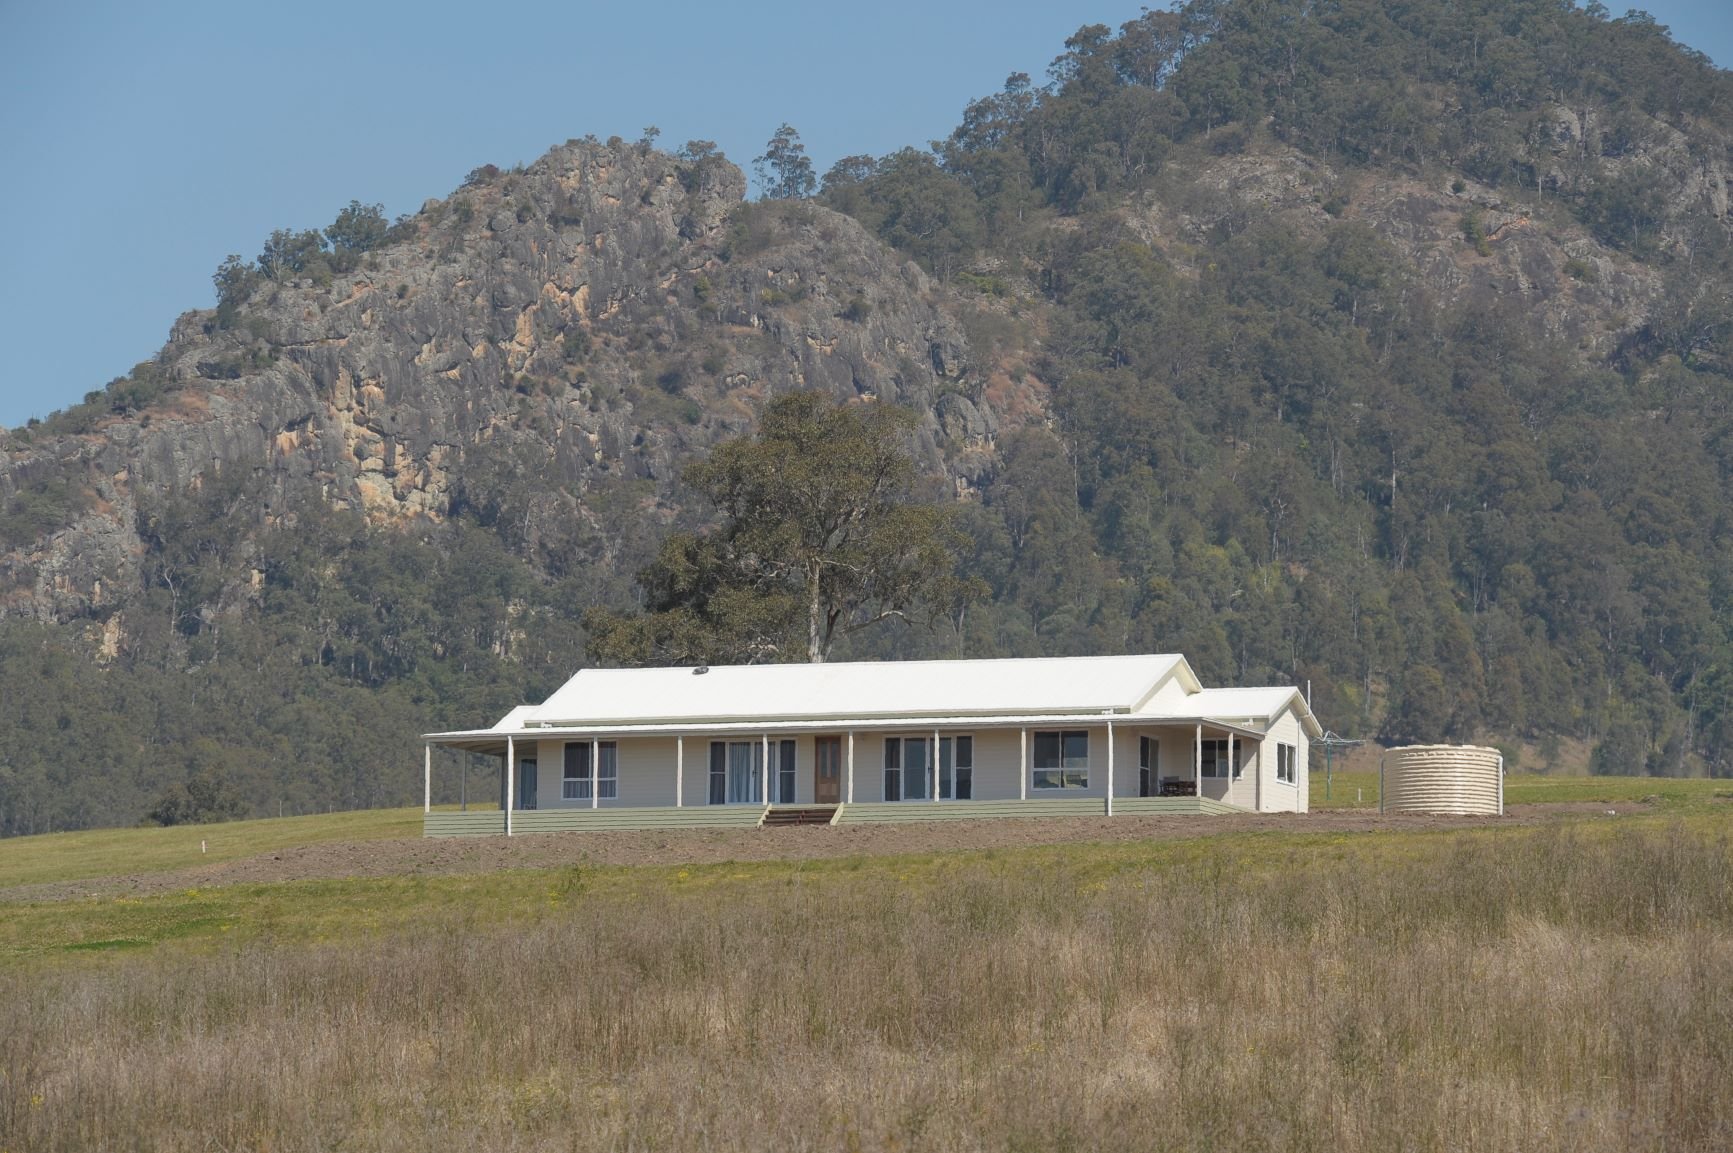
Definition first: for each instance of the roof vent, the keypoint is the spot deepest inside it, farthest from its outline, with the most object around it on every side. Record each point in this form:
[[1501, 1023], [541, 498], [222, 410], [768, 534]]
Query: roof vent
[[700, 670]]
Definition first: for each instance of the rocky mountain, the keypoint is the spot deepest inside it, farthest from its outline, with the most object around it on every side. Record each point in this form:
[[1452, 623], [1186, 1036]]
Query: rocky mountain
[[1385, 347], [599, 316]]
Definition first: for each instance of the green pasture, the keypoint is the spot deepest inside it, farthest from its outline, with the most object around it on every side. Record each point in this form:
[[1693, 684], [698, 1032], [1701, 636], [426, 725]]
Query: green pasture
[[1358, 789], [112, 852], [118, 852]]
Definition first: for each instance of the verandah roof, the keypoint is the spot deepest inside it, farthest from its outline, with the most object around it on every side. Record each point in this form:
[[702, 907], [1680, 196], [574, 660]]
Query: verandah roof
[[492, 741]]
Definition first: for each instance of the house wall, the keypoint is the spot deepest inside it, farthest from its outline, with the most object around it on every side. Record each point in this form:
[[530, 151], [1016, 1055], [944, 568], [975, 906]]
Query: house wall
[[1279, 797], [647, 767]]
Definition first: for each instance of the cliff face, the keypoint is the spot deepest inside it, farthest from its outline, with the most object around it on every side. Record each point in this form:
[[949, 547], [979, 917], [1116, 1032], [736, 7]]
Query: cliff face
[[593, 319]]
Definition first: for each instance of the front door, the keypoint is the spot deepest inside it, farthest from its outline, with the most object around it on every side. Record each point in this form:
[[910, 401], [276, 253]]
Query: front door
[[827, 772]]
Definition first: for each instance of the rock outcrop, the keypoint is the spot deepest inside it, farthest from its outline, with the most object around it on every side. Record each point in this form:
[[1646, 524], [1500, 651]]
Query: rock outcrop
[[599, 316]]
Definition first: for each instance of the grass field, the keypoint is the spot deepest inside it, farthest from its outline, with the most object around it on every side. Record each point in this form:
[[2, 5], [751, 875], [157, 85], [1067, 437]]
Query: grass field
[[1551, 987], [107, 852], [1358, 788]]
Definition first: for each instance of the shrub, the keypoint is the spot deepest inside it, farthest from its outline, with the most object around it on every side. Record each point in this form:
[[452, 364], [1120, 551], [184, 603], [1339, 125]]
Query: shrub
[[358, 228], [1474, 231], [39, 508], [482, 175], [207, 797]]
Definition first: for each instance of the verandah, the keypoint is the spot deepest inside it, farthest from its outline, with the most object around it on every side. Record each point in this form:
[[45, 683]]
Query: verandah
[[884, 767]]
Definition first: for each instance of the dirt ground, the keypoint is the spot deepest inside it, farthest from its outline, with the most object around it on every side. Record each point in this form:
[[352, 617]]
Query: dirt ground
[[412, 857]]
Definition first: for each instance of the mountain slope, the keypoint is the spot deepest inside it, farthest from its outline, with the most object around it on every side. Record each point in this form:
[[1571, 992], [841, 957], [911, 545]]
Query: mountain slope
[[1382, 347]]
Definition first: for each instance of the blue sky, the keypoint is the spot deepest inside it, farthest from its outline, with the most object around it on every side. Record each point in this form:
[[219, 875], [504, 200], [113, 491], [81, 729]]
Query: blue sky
[[144, 142]]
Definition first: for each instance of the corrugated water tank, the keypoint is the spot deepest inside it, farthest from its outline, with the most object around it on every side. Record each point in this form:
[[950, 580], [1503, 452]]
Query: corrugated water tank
[[1458, 780]]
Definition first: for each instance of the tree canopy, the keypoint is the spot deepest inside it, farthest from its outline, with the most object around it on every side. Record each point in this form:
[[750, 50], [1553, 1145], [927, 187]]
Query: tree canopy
[[784, 170], [820, 538]]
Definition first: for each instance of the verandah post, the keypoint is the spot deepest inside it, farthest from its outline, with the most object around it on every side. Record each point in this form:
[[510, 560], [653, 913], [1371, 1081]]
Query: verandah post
[[427, 778], [679, 772], [506, 770], [1022, 764], [596, 774], [764, 773], [1197, 763], [851, 766], [1110, 768], [1233, 765], [933, 760]]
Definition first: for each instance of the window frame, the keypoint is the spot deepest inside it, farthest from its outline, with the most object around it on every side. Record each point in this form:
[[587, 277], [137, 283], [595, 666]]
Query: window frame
[[927, 770], [787, 774], [1287, 764], [608, 770], [721, 765], [950, 769], [1217, 756], [1070, 775], [575, 787]]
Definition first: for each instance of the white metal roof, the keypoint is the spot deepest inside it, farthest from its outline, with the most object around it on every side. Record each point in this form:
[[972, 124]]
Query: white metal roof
[[1047, 685], [1246, 704], [517, 719], [897, 693]]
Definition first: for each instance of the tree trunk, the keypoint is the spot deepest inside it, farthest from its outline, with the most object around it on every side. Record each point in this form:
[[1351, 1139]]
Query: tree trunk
[[814, 613]]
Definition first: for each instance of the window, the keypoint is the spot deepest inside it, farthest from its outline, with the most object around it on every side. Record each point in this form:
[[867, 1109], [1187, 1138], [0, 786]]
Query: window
[[785, 773], [1148, 766], [1286, 756], [958, 779], [575, 785], [718, 772], [908, 769], [1062, 760], [607, 771], [736, 772], [1215, 758]]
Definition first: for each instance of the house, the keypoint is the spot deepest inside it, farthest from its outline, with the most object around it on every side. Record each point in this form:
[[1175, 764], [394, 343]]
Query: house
[[892, 740]]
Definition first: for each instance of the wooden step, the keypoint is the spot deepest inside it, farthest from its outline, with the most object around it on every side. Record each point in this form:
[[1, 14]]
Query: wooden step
[[800, 815]]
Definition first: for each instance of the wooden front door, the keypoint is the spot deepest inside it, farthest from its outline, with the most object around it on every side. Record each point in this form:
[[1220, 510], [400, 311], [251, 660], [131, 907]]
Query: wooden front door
[[827, 771]]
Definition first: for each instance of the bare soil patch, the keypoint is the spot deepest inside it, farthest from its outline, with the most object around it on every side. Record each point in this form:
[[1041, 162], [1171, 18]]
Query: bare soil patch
[[412, 857]]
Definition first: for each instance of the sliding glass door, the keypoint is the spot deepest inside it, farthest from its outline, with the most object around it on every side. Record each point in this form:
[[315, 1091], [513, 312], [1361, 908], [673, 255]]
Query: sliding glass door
[[736, 773]]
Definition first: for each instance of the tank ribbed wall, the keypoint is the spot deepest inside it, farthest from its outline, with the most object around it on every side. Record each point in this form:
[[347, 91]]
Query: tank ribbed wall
[[1463, 780]]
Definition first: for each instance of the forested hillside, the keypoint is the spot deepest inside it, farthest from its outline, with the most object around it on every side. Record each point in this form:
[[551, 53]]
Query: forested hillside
[[1382, 346]]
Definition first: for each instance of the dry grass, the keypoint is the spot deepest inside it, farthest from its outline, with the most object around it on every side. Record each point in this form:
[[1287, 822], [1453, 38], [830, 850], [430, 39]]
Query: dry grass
[[1545, 989]]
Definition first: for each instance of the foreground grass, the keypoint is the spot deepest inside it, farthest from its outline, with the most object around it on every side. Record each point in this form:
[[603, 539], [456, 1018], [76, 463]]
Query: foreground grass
[[1553, 988]]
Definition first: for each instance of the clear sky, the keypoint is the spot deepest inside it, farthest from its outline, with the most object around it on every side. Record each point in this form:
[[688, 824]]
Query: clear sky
[[141, 143]]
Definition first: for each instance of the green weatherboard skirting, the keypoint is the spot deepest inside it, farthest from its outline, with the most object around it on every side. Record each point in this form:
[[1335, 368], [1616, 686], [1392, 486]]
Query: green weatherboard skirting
[[492, 823], [1034, 807], [489, 823]]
